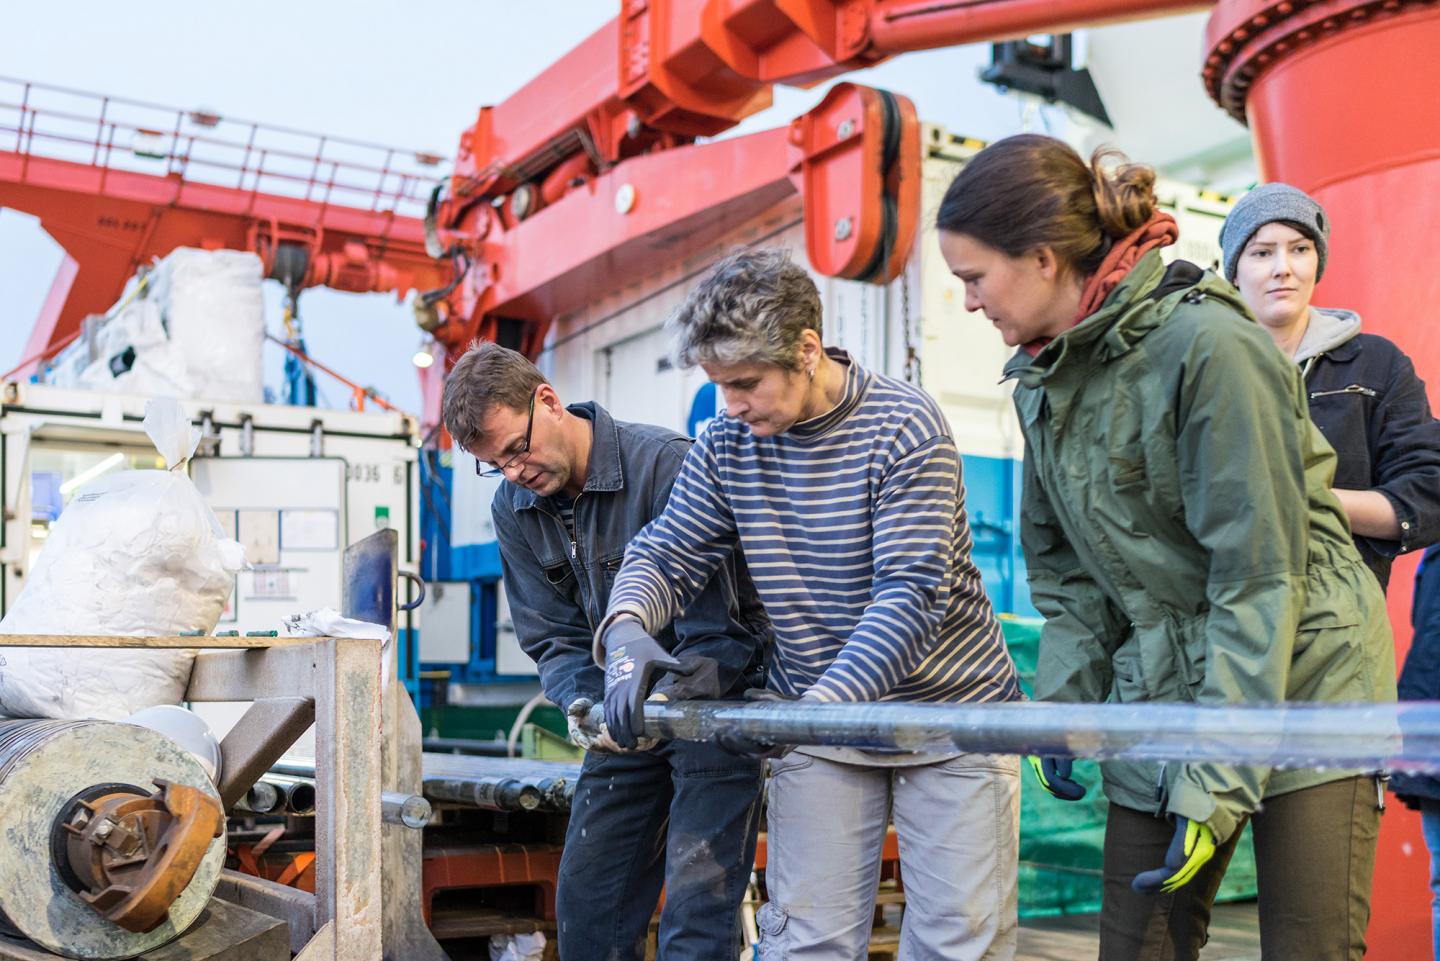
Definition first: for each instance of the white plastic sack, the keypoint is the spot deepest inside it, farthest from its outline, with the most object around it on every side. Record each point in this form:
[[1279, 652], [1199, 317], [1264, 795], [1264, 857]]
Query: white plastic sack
[[137, 552], [213, 308], [132, 355], [199, 331], [517, 947]]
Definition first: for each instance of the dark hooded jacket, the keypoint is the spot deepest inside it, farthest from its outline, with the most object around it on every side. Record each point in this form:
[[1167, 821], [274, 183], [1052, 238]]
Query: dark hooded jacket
[[558, 584], [1366, 399]]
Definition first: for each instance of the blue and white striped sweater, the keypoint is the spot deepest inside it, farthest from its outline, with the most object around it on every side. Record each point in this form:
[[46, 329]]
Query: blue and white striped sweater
[[854, 530]]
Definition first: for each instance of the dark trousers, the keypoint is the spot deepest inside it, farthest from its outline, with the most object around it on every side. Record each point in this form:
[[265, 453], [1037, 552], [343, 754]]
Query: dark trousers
[[1314, 858], [683, 815]]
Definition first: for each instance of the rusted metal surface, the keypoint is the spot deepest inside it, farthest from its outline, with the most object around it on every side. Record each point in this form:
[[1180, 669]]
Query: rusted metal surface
[[371, 567], [225, 932], [263, 733], [291, 905], [135, 854], [347, 818], [44, 766], [343, 678], [252, 675]]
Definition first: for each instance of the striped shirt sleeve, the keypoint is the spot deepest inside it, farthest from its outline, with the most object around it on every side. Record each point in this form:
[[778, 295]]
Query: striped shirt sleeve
[[913, 538], [672, 559]]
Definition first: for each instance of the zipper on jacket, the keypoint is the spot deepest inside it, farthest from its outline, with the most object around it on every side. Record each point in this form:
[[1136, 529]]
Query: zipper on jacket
[[573, 550], [574, 513], [1351, 389]]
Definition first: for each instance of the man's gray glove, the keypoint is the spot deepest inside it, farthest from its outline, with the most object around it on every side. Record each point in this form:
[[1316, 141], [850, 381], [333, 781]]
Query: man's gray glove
[[577, 716], [633, 661]]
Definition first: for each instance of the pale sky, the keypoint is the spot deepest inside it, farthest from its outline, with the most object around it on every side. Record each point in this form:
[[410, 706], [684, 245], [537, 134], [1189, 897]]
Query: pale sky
[[411, 76]]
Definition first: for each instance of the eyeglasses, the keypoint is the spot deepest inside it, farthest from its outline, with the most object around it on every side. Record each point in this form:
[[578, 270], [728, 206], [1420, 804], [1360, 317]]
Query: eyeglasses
[[519, 458]]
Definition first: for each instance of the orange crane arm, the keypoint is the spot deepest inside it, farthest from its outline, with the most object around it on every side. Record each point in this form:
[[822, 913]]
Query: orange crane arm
[[117, 183], [593, 164]]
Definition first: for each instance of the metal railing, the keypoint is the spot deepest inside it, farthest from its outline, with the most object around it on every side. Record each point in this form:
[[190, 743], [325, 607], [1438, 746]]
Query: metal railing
[[118, 134]]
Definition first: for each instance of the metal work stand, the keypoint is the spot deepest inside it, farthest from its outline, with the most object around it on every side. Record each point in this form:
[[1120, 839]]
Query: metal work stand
[[293, 682], [370, 574]]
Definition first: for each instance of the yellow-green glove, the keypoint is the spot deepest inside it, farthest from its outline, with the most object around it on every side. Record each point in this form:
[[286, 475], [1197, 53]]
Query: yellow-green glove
[[1053, 773], [1192, 846]]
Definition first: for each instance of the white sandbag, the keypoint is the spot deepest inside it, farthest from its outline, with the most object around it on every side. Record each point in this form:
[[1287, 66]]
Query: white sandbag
[[137, 552], [212, 305]]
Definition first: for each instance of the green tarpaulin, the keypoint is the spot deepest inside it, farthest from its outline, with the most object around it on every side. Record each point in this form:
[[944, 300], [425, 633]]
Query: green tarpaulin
[[1061, 843]]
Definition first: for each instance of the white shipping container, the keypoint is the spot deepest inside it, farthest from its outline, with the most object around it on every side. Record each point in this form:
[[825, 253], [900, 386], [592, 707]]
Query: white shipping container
[[295, 485]]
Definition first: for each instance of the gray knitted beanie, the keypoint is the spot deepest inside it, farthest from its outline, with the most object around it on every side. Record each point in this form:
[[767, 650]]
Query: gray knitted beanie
[[1268, 204]]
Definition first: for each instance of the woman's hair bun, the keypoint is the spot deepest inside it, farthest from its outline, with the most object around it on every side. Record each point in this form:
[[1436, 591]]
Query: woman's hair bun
[[1124, 192]]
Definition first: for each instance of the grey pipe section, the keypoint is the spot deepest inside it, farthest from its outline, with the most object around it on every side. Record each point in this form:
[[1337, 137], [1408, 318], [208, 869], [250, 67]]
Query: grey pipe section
[[289, 794], [295, 767], [406, 810], [262, 798], [297, 794], [1398, 737], [554, 781], [485, 793], [488, 783]]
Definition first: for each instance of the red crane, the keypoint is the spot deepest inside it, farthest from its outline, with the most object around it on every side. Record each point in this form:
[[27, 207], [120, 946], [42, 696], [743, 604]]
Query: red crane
[[595, 170], [118, 182]]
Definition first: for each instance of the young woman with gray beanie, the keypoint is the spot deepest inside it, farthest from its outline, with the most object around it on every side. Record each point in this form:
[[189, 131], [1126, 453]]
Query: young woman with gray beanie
[[1363, 391]]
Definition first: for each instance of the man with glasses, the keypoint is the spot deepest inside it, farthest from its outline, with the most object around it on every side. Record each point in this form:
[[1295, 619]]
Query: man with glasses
[[578, 485]]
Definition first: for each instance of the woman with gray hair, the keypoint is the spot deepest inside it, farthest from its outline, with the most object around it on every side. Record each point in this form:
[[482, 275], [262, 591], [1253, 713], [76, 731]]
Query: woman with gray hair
[[844, 489], [1363, 391]]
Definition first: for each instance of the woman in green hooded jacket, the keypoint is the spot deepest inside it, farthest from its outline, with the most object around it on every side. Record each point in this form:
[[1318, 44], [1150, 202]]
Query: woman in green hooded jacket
[[1182, 542]]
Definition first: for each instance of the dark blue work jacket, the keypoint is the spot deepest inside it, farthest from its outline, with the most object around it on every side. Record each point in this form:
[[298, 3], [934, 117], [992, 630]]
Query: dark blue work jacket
[[558, 586]]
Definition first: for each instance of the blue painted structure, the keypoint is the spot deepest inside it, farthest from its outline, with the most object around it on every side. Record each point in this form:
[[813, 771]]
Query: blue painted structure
[[440, 560], [992, 500]]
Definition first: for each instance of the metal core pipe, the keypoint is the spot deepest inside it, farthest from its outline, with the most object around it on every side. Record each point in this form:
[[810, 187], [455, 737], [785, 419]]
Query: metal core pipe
[[1404, 736], [488, 783], [407, 810], [262, 798], [488, 794], [295, 795]]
